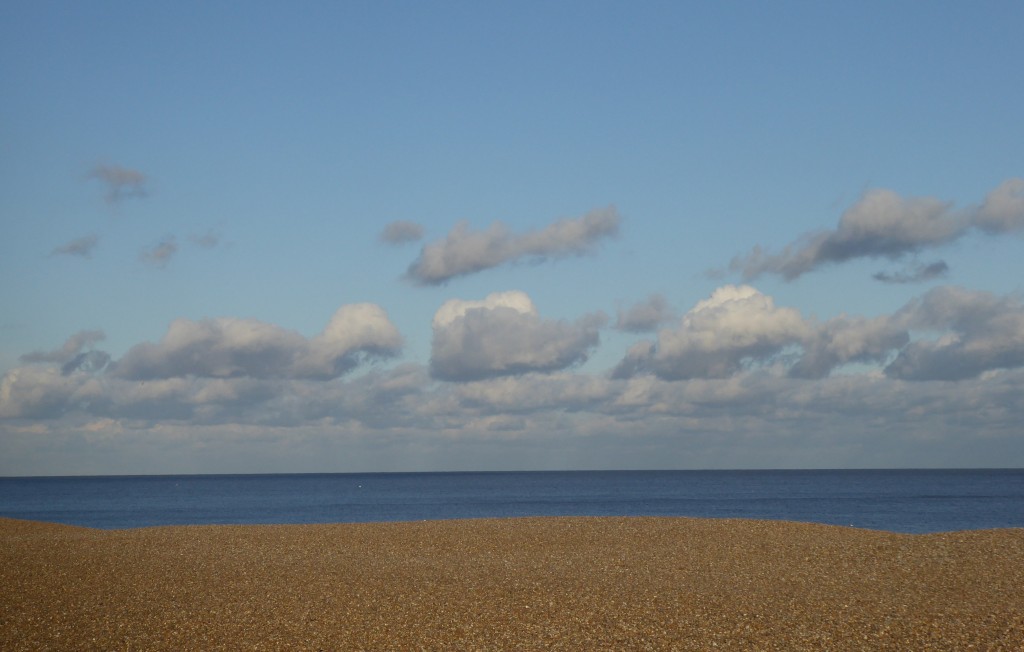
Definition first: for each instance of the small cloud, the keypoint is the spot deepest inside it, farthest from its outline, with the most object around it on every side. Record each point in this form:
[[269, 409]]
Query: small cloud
[[162, 253], [916, 274], [882, 224], [645, 316], [401, 232], [78, 247], [465, 252], [121, 183], [207, 240]]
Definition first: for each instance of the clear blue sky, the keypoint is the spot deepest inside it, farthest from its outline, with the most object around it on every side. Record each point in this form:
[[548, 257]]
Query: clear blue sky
[[377, 236]]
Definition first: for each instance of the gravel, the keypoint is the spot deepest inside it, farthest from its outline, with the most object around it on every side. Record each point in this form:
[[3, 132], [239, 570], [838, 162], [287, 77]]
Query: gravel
[[510, 584]]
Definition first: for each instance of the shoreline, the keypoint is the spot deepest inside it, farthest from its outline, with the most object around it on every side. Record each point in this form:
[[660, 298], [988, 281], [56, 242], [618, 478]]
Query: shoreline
[[597, 583]]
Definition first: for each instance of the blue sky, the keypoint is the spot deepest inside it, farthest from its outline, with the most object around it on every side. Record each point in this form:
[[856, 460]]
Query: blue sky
[[654, 235]]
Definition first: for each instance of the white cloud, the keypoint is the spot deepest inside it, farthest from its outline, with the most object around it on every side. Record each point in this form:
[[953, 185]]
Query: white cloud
[[228, 347], [721, 334], [977, 332], [882, 224], [1003, 209], [504, 335], [465, 252]]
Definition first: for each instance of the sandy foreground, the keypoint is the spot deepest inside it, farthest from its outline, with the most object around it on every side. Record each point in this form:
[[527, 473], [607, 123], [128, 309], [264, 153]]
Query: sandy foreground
[[510, 584]]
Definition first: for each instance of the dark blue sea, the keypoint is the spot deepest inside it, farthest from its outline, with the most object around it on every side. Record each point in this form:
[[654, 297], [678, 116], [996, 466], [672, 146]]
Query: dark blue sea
[[912, 501]]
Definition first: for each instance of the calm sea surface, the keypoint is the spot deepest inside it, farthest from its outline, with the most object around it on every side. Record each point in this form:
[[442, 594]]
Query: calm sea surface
[[898, 500]]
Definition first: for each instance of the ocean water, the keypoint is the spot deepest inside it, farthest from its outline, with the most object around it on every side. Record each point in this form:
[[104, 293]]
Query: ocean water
[[912, 501]]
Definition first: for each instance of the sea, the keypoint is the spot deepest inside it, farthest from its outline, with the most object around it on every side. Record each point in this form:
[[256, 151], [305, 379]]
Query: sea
[[908, 501]]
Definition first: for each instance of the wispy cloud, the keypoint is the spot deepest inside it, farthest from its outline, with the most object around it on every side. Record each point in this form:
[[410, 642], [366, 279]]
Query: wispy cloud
[[465, 252], [401, 232], [121, 182], [915, 274], [161, 253], [81, 247], [882, 224], [645, 316], [207, 240]]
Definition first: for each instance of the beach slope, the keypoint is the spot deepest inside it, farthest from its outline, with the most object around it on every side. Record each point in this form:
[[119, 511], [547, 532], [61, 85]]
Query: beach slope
[[523, 584]]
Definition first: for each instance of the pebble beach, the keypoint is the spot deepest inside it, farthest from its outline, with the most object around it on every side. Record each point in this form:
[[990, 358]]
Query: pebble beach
[[510, 584]]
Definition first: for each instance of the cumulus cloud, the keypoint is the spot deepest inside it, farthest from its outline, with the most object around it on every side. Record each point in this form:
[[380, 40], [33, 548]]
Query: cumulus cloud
[[465, 252], [121, 183], [78, 247], [845, 340], [161, 253], [715, 339], [77, 353], [1003, 209], [401, 232], [882, 224], [504, 335], [644, 316], [228, 347], [915, 274], [948, 334], [977, 332]]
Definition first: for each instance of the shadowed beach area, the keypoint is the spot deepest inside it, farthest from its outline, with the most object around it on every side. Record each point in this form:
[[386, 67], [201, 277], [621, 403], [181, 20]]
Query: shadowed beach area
[[503, 584]]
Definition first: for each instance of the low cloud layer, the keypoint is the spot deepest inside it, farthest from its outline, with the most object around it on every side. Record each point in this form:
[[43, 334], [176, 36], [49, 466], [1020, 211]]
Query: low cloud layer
[[121, 183], [503, 335], [882, 224], [465, 252]]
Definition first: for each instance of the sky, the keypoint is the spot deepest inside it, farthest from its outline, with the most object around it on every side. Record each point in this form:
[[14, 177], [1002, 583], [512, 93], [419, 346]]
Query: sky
[[396, 236]]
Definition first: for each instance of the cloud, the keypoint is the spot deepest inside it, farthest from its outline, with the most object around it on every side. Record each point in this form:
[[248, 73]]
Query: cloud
[[739, 329], [227, 347], [161, 253], [845, 340], [915, 274], [78, 247], [207, 240], [465, 252], [882, 224], [503, 335], [1003, 210], [76, 354], [644, 316], [978, 332], [718, 337], [121, 183], [401, 232]]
